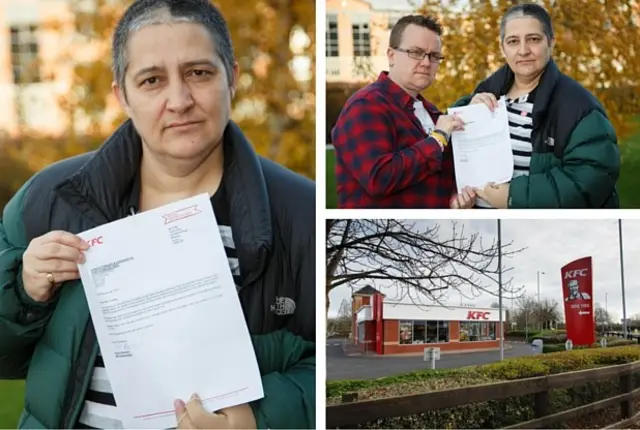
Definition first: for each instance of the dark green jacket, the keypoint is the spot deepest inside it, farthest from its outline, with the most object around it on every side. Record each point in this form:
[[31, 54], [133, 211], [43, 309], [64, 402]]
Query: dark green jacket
[[53, 345], [575, 161]]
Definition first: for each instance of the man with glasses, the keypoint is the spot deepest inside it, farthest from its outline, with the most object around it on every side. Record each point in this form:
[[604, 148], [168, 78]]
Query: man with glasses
[[392, 145]]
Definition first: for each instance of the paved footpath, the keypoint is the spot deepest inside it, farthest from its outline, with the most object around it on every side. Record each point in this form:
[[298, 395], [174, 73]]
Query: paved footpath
[[341, 366]]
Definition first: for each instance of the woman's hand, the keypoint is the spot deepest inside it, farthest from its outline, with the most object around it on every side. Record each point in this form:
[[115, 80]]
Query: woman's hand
[[496, 195], [194, 416], [464, 200], [486, 98], [50, 260]]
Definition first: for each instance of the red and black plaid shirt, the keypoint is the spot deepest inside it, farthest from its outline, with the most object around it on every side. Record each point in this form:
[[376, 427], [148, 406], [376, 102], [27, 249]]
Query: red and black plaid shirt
[[384, 158]]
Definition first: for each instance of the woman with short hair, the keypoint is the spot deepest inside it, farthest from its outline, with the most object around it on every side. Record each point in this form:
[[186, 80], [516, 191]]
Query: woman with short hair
[[564, 146]]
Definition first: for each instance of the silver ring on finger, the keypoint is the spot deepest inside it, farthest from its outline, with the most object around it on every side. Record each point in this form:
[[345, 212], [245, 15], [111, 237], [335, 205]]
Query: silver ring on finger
[[51, 279]]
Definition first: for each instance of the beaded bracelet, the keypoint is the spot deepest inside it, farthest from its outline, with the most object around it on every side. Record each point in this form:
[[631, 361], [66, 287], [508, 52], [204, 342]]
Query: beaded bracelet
[[444, 133], [440, 138]]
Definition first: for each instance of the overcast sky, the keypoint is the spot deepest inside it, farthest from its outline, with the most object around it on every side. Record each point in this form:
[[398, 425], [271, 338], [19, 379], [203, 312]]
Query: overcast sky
[[550, 245]]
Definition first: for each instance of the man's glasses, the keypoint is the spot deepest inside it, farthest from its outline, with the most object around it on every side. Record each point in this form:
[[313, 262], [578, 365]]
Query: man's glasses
[[419, 54]]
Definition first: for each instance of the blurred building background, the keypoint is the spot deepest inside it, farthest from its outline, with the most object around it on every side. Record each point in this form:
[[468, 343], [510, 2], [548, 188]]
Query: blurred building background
[[30, 78], [358, 36]]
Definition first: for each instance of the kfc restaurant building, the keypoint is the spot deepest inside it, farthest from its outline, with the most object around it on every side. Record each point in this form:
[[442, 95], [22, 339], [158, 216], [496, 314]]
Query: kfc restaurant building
[[386, 327]]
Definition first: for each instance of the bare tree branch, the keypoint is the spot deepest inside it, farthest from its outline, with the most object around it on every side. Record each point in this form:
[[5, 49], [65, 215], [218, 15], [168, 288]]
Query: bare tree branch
[[419, 261]]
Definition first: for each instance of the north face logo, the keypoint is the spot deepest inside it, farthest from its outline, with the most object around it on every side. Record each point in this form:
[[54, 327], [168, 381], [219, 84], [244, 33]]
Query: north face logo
[[284, 306]]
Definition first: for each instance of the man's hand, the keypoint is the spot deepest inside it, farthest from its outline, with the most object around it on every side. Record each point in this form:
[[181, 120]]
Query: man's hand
[[194, 416], [449, 123], [465, 200], [496, 195]]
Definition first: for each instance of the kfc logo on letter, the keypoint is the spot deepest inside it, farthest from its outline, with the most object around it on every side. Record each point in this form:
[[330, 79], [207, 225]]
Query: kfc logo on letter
[[93, 242], [477, 315], [575, 273]]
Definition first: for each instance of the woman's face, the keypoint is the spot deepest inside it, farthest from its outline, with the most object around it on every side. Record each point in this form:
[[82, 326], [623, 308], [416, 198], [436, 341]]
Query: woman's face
[[526, 47], [178, 93]]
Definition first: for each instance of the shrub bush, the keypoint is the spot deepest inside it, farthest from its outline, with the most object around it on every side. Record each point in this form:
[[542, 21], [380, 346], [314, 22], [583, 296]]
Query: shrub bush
[[621, 342], [546, 349], [517, 334], [497, 414], [610, 344], [551, 337]]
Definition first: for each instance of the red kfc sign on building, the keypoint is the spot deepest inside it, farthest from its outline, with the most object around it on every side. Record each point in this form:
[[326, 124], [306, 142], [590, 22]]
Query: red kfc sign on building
[[478, 315], [577, 293]]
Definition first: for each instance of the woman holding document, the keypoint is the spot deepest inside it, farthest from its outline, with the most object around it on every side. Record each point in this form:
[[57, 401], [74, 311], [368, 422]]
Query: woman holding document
[[564, 147], [175, 76]]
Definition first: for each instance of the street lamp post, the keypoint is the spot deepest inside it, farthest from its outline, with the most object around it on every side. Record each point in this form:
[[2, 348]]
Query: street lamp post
[[624, 305], [606, 311], [539, 302], [500, 290]]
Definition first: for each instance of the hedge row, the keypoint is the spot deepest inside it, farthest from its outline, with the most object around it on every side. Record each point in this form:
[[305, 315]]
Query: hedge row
[[610, 344], [495, 414], [552, 336]]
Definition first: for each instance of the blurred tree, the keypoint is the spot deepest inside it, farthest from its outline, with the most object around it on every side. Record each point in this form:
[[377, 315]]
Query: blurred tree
[[274, 107], [530, 314], [14, 174], [274, 44], [602, 317], [341, 324]]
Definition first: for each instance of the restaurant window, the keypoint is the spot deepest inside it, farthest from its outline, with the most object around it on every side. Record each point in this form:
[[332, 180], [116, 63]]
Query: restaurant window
[[406, 332], [474, 331], [432, 331], [443, 331], [419, 332]]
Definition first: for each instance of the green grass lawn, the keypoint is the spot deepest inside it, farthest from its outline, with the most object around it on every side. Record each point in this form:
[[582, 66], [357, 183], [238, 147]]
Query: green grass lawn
[[630, 172], [11, 401], [628, 183]]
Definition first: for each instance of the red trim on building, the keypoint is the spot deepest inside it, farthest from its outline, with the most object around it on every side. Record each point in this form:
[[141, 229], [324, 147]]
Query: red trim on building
[[465, 329]]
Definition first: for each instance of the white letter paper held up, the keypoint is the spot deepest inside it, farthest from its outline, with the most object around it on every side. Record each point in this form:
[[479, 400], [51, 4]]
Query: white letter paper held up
[[482, 151], [167, 313]]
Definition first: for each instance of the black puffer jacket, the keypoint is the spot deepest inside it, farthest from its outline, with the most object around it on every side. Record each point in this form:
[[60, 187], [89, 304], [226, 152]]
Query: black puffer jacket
[[272, 214]]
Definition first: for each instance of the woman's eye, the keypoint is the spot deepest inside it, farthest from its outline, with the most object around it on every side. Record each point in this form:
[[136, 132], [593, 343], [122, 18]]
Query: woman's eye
[[200, 73], [150, 81]]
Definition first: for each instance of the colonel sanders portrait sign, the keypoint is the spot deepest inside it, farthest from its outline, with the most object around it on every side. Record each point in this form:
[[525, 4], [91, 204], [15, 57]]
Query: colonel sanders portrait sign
[[577, 293]]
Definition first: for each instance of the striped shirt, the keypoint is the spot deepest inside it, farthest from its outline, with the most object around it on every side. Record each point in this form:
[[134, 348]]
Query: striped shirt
[[100, 410], [520, 126]]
